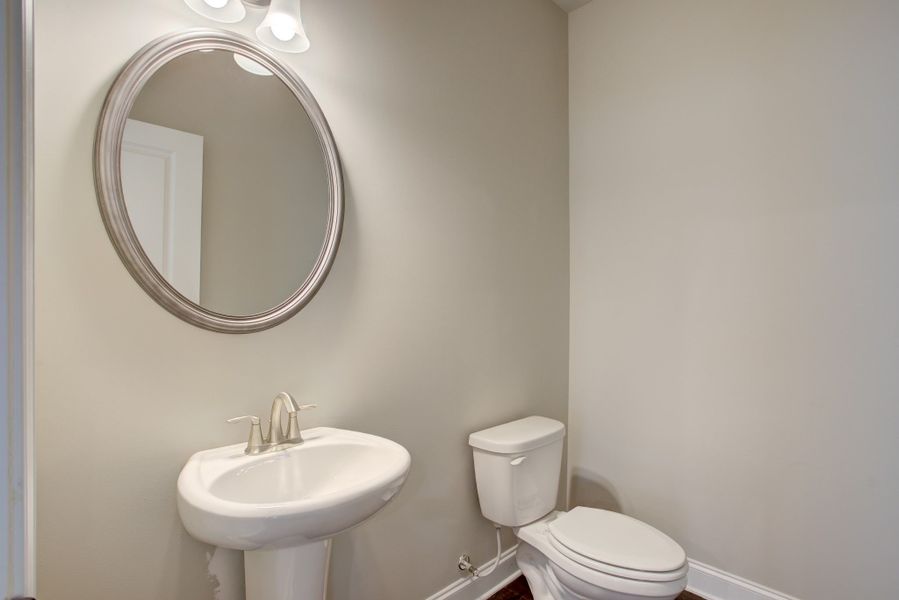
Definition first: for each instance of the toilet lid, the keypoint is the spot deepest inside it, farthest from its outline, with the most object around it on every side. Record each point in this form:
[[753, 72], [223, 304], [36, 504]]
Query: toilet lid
[[617, 540]]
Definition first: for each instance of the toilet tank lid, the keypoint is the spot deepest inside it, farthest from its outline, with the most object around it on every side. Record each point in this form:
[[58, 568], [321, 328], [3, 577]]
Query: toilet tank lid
[[518, 436]]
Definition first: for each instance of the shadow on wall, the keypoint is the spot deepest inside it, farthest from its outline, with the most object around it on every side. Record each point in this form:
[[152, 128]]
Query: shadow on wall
[[589, 489]]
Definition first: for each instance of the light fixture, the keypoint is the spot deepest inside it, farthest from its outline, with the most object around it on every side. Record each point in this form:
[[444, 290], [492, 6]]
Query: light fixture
[[281, 29], [251, 66], [223, 11]]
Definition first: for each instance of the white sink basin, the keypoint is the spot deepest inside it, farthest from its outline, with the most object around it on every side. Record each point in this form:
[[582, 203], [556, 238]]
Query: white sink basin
[[288, 499], [332, 481]]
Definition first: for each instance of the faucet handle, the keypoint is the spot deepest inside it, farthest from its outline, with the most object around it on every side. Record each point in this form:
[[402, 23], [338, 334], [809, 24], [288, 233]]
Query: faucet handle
[[255, 441], [254, 420], [293, 427]]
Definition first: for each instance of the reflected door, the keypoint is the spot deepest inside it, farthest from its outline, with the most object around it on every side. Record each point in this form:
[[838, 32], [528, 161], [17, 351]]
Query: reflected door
[[162, 178]]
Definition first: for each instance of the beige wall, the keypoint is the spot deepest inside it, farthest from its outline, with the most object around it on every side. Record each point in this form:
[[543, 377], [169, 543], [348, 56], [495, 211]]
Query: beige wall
[[735, 282], [445, 312], [265, 184]]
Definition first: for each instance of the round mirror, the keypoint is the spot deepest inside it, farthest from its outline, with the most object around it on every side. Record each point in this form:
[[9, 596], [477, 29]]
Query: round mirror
[[219, 181]]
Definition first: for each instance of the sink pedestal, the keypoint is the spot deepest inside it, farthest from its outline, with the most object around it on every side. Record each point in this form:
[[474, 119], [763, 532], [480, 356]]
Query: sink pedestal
[[298, 573]]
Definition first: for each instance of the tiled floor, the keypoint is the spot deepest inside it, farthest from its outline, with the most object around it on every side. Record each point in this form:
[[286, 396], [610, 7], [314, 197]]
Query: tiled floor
[[518, 590]]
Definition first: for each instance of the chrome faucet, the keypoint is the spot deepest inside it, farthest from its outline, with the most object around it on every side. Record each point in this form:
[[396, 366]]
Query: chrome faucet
[[277, 438]]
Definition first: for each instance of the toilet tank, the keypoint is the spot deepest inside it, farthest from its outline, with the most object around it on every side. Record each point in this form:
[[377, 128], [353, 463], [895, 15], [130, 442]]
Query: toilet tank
[[517, 466]]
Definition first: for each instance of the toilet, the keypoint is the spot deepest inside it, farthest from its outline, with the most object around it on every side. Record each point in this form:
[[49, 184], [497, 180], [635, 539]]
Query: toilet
[[585, 553]]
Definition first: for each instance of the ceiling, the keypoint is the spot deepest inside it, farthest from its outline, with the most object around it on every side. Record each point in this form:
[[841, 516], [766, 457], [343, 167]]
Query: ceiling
[[570, 5]]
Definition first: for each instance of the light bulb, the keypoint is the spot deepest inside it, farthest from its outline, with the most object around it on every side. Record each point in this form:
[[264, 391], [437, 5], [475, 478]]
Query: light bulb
[[223, 11], [282, 28]]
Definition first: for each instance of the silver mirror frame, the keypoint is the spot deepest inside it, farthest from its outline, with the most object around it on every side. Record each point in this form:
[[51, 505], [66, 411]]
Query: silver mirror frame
[[111, 198]]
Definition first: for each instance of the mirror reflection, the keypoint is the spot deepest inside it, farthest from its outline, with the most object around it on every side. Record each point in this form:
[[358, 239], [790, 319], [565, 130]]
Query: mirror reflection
[[225, 182]]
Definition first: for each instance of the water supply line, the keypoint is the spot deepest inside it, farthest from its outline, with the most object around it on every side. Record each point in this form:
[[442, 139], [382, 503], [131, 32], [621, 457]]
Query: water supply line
[[465, 560]]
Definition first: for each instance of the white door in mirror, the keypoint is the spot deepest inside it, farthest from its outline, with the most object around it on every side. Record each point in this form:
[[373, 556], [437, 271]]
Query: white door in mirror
[[162, 178]]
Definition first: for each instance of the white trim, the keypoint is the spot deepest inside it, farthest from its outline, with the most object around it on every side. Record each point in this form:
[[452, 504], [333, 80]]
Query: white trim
[[28, 339], [714, 584], [17, 298], [468, 588], [703, 580]]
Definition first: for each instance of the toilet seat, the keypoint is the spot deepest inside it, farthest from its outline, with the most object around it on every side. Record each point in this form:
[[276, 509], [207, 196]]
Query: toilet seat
[[616, 544], [601, 567], [570, 567]]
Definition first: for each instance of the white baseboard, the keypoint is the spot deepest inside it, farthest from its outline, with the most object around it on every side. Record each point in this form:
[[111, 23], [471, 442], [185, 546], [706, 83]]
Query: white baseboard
[[468, 588], [704, 580], [715, 584]]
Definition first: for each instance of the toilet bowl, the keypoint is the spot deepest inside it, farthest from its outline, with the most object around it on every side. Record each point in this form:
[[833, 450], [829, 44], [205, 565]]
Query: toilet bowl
[[582, 554]]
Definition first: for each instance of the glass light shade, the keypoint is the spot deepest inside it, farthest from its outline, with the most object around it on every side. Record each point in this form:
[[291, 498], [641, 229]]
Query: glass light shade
[[282, 27], [251, 66], [223, 11]]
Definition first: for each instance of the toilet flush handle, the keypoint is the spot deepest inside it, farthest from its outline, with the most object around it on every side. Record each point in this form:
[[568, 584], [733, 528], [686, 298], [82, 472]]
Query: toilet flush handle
[[517, 461]]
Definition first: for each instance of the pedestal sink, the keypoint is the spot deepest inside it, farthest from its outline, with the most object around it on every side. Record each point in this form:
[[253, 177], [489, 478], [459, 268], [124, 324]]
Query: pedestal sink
[[283, 507]]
